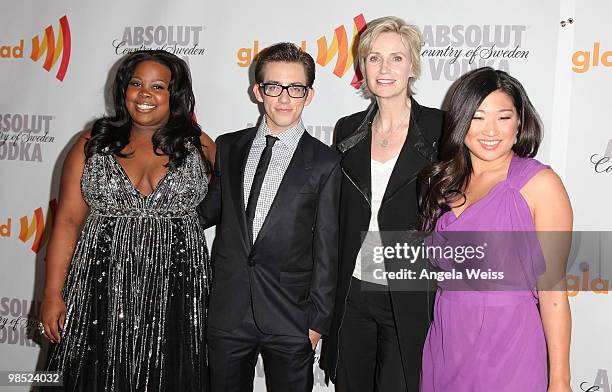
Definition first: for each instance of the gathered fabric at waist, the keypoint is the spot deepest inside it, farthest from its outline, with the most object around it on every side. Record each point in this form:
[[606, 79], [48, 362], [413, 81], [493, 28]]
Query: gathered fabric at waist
[[488, 298], [143, 213]]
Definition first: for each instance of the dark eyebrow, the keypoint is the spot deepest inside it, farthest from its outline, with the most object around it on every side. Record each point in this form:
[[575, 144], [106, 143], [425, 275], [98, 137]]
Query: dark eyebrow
[[290, 84], [499, 111], [154, 81]]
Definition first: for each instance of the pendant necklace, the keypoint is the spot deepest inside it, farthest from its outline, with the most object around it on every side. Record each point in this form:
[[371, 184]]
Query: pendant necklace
[[384, 142]]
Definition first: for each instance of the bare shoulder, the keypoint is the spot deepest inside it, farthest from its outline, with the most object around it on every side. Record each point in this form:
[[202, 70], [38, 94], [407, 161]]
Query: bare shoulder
[[549, 202], [86, 134], [75, 159], [205, 139], [543, 184], [77, 151]]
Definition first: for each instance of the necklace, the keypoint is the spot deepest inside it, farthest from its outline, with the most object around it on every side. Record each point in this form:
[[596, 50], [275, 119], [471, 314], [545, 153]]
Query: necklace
[[384, 141]]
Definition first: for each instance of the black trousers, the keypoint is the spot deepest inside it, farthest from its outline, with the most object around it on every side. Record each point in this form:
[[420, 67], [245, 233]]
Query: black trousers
[[369, 358], [287, 360]]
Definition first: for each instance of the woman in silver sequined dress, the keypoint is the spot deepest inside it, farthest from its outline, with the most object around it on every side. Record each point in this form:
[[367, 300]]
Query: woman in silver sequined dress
[[127, 265]]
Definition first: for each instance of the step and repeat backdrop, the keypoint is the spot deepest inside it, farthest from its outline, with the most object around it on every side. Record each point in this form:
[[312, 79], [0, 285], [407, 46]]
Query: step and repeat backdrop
[[57, 61]]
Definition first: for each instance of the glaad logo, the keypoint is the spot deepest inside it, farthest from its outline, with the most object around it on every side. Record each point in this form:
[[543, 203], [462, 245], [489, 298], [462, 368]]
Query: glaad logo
[[53, 50], [35, 227], [21, 136], [340, 48], [178, 40], [451, 51], [602, 163], [586, 282], [583, 60], [48, 45]]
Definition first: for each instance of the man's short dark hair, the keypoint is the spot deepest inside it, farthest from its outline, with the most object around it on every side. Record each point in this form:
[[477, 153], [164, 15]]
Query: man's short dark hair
[[285, 52]]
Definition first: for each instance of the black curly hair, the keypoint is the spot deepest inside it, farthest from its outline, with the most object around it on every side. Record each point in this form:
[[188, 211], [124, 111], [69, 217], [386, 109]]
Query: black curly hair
[[110, 134]]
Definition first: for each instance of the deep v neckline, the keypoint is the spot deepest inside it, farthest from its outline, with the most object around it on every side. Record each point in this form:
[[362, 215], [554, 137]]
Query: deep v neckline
[[489, 193], [129, 180]]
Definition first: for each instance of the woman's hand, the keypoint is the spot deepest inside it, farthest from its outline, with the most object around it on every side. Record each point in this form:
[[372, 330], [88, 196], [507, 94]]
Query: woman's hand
[[69, 216], [53, 316], [314, 337]]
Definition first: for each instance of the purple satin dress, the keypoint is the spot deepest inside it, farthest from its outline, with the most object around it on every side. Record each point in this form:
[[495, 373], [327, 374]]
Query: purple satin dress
[[490, 340]]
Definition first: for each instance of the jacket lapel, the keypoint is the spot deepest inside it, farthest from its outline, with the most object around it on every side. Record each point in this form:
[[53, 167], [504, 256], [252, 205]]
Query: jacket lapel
[[356, 150], [240, 150], [414, 155], [298, 172], [356, 165]]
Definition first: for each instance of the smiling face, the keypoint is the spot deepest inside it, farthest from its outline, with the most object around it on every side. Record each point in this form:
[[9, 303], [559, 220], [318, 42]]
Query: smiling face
[[147, 97], [283, 112], [387, 66], [494, 128]]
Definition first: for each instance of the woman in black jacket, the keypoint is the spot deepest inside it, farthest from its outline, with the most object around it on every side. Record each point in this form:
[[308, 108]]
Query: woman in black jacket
[[378, 330]]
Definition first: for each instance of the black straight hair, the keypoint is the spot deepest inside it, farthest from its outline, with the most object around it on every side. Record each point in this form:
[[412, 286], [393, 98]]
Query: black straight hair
[[447, 180]]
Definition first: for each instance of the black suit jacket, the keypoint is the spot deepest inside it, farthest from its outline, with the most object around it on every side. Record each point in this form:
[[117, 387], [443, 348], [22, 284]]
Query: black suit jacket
[[398, 213], [289, 274]]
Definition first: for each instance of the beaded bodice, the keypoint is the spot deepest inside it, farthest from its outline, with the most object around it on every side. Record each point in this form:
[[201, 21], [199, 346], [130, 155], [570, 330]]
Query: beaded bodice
[[109, 192]]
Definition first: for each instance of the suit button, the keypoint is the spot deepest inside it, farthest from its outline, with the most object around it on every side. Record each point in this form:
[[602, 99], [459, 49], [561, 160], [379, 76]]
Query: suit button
[[251, 263]]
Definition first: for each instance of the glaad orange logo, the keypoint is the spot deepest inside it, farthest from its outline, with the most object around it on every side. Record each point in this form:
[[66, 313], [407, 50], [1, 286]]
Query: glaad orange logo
[[35, 227], [340, 48], [586, 282], [48, 45], [581, 59]]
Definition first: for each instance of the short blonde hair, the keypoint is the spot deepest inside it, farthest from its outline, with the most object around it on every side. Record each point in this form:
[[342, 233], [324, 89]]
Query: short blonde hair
[[411, 37]]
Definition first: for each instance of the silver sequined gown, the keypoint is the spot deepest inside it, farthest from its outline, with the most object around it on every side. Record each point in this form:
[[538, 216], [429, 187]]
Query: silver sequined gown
[[137, 287]]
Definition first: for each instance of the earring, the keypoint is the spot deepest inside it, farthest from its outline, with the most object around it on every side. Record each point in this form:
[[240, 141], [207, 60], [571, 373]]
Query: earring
[[515, 138]]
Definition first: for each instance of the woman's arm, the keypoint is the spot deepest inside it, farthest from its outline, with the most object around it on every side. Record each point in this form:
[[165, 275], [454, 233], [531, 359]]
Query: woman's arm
[[553, 220], [209, 209], [70, 214], [208, 148]]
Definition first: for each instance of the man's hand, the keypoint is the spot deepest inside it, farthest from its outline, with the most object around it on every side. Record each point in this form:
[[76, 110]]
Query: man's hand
[[314, 337]]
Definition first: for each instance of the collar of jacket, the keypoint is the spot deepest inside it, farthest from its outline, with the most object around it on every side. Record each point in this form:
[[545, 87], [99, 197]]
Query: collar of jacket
[[426, 149]]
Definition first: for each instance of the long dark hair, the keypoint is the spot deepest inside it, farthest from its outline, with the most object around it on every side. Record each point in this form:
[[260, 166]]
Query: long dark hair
[[447, 179], [110, 134]]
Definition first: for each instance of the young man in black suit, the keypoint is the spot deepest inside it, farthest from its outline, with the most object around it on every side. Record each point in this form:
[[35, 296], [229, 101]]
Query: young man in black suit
[[274, 198]]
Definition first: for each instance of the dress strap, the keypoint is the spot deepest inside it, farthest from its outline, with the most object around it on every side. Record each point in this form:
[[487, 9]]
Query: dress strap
[[522, 170]]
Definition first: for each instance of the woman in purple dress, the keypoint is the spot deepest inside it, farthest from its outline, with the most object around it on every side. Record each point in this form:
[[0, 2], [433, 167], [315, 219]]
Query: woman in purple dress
[[487, 182]]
